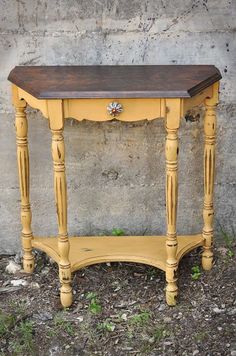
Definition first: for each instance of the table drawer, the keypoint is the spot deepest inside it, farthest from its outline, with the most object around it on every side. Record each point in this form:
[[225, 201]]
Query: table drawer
[[100, 109]]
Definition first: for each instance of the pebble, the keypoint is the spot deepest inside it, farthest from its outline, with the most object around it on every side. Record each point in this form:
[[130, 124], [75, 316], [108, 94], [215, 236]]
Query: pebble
[[13, 267], [232, 311], [34, 285], [124, 316], [45, 271], [44, 316], [194, 303], [218, 311], [167, 319], [233, 353], [195, 352], [18, 258], [19, 282], [162, 307], [167, 343], [80, 318], [179, 316]]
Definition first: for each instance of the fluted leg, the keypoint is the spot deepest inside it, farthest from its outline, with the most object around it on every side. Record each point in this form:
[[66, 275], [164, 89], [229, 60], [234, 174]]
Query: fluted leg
[[58, 154], [171, 210], [209, 168], [23, 170]]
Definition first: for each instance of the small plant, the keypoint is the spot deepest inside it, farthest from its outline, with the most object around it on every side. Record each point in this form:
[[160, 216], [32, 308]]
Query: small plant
[[140, 319], [228, 239], [107, 326], [117, 232], [94, 305], [6, 322], [24, 338], [61, 324], [160, 333], [200, 336], [196, 273]]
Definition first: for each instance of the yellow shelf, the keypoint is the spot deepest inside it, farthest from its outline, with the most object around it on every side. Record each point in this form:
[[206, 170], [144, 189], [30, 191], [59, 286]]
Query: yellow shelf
[[85, 251]]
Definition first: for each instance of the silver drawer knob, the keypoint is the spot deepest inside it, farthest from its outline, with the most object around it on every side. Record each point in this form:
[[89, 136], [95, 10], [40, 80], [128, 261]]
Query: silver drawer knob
[[114, 108]]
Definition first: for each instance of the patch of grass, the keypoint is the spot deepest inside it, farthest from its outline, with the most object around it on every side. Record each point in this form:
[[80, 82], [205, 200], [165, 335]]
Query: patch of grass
[[140, 319], [196, 273], [160, 333], [106, 326], [19, 307], [7, 321], [23, 338], [200, 336], [228, 240], [117, 232], [94, 304], [152, 273], [61, 324]]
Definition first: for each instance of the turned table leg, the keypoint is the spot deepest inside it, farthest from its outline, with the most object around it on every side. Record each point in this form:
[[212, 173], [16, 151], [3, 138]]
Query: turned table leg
[[58, 154], [209, 168], [171, 151], [56, 122], [23, 170]]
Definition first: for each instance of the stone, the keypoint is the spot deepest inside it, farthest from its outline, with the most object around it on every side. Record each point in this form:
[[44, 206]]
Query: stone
[[232, 311], [124, 316], [34, 285], [44, 316], [162, 307], [18, 258], [218, 311], [19, 282], [45, 270], [13, 267]]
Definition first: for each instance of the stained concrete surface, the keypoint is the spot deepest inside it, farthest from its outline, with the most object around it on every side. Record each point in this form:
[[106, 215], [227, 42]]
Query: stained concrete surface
[[116, 170]]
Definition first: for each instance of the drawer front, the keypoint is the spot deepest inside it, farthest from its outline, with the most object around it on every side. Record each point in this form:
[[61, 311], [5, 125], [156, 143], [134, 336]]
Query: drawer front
[[108, 109]]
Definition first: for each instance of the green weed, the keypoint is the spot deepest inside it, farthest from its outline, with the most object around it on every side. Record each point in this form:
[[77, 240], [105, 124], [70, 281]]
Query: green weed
[[140, 319], [160, 333], [117, 232], [61, 324], [23, 334], [228, 240], [94, 305], [196, 273], [106, 326], [7, 321]]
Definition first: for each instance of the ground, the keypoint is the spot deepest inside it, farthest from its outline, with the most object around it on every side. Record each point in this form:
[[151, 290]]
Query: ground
[[119, 309]]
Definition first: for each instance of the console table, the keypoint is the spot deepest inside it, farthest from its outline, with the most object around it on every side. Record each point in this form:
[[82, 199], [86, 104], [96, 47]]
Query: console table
[[126, 93]]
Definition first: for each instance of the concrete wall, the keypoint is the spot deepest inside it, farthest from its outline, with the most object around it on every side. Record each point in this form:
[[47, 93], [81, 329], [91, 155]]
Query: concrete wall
[[116, 170]]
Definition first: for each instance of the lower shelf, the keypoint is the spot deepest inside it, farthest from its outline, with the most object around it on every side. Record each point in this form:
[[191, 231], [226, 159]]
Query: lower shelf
[[85, 251]]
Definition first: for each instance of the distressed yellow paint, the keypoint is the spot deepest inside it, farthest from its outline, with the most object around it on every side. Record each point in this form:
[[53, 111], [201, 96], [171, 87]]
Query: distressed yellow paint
[[164, 252], [96, 109]]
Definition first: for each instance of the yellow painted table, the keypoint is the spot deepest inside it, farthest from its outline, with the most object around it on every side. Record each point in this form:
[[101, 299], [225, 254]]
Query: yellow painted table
[[127, 93]]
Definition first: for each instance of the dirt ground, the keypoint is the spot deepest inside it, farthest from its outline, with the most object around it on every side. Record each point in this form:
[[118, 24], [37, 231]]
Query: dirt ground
[[119, 309]]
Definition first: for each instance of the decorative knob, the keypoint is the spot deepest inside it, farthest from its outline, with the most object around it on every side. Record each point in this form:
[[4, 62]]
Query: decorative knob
[[114, 108]]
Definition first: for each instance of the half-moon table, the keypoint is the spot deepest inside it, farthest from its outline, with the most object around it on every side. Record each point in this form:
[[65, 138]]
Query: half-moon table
[[126, 93]]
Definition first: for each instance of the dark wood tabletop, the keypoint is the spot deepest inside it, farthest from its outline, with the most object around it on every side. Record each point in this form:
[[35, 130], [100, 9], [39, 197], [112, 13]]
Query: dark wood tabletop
[[127, 81]]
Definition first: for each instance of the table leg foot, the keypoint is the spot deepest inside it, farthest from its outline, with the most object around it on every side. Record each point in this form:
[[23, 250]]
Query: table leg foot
[[28, 264], [171, 295], [171, 287], [207, 259], [66, 296]]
